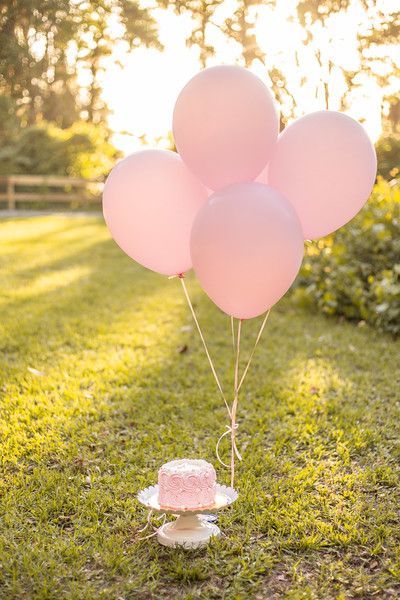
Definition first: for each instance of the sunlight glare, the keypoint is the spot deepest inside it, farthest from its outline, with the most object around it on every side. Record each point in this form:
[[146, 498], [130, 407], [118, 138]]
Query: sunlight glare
[[142, 91]]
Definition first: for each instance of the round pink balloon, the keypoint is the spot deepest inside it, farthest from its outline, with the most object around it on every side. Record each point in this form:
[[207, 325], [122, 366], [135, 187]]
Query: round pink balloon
[[247, 248], [325, 164], [150, 200], [263, 176], [225, 125]]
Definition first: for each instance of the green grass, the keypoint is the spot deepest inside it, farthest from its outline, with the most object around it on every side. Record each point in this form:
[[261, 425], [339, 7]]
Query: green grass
[[96, 393]]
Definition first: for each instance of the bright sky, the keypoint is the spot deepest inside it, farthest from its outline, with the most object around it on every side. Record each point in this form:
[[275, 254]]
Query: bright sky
[[142, 93]]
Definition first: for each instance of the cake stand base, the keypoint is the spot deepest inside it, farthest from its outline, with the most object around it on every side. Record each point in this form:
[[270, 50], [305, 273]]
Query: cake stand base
[[188, 531]]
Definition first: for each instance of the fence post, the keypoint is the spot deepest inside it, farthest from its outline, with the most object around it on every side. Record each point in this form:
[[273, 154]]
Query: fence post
[[10, 193]]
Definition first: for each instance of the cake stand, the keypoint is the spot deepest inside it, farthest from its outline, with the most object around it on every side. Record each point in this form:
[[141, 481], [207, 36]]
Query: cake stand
[[190, 529]]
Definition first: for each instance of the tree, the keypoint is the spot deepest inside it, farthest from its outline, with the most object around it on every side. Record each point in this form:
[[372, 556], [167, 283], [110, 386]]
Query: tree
[[392, 117], [9, 121], [388, 153], [314, 17], [377, 28], [44, 43], [376, 42], [240, 27], [96, 38], [34, 38], [202, 13]]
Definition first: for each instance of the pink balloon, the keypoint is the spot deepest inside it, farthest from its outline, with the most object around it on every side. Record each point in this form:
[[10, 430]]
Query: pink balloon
[[247, 248], [325, 164], [150, 200], [225, 125], [263, 176]]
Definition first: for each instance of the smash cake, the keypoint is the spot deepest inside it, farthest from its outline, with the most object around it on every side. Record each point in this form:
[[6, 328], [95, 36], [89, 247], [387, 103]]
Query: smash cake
[[186, 484]]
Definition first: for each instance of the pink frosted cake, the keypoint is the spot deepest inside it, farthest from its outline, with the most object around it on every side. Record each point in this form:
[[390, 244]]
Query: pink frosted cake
[[186, 483]]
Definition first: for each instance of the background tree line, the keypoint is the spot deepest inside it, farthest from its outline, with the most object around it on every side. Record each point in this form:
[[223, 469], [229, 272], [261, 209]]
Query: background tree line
[[51, 122]]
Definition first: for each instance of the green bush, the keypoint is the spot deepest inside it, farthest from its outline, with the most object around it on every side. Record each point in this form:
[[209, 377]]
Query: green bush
[[356, 271], [82, 150], [388, 154]]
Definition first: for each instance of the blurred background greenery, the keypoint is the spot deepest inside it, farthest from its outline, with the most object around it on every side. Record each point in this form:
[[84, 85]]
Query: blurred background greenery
[[355, 272], [81, 81], [84, 82]]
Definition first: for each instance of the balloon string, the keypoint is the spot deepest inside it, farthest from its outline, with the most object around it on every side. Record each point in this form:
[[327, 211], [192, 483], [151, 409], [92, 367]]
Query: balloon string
[[234, 426], [254, 348], [232, 429], [233, 335], [150, 524], [181, 277]]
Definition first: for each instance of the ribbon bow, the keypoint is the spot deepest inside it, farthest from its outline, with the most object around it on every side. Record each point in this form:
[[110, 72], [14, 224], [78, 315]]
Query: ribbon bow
[[229, 430]]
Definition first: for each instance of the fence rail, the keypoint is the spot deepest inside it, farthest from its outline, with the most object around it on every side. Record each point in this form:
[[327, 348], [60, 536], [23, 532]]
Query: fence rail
[[52, 189]]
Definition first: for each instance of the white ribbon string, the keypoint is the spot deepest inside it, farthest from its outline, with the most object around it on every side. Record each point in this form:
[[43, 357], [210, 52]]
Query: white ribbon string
[[181, 277], [233, 336], [254, 348], [234, 404], [233, 427], [150, 524]]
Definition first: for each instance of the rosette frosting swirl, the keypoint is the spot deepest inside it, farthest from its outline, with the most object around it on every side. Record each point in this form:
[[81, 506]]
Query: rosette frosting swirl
[[186, 484]]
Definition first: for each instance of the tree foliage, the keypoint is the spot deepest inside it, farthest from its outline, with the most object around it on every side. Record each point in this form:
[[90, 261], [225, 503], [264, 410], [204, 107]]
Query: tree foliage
[[44, 42], [82, 150], [375, 33], [202, 13], [388, 154]]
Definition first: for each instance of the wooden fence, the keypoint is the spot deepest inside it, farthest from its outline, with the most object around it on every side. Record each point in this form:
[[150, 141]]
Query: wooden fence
[[48, 189]]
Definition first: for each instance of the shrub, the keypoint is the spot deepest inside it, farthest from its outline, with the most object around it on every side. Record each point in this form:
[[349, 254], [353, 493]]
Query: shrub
[[356, 271], [388, 154], [82, 150]]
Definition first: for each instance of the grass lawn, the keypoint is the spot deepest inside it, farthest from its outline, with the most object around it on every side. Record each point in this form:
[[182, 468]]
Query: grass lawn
[[96, 393]]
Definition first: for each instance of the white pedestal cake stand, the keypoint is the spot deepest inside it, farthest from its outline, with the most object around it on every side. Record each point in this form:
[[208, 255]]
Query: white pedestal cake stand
[[189, 530]]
